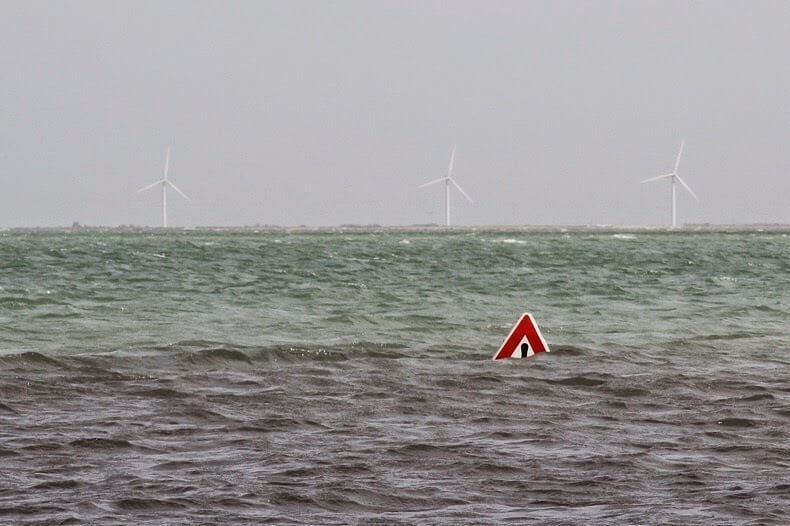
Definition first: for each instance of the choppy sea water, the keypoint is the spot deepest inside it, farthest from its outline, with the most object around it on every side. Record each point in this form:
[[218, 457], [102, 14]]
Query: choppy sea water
[[344, 377]]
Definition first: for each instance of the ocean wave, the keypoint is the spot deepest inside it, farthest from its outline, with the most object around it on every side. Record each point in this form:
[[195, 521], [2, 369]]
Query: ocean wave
[[31, 360]]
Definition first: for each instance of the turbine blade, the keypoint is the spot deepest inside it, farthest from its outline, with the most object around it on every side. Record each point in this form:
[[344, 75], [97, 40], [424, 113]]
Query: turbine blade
[[429, 183], [656, 178], [459, 188], [452, 161], [174, 187], [167, 162], [687, 187], [677, 161], [160, 181]]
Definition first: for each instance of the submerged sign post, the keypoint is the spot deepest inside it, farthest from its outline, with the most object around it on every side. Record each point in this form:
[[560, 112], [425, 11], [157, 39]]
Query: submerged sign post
[[523, 341]]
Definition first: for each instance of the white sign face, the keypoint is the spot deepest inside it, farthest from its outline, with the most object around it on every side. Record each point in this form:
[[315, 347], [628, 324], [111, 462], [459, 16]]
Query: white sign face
[[523, 350]]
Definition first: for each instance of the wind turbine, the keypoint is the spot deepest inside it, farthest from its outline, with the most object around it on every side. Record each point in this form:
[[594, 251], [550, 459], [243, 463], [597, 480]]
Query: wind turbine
[[165, 182], [674, 177], [448, 180]]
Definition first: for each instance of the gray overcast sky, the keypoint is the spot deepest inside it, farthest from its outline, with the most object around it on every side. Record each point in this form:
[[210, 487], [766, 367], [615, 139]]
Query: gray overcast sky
[[326, 113]]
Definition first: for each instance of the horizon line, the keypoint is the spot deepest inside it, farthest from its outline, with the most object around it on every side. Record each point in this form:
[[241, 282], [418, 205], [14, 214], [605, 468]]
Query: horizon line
[[414, 226]]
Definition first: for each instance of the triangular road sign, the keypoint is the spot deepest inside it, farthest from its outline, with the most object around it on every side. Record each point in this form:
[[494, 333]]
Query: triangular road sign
[[523, 341]]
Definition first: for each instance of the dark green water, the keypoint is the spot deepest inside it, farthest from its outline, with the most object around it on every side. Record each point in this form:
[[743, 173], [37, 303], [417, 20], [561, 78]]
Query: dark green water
[[345, 377]]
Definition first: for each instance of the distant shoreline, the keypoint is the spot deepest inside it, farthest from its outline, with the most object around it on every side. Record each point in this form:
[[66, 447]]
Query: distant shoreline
[[756, 227]]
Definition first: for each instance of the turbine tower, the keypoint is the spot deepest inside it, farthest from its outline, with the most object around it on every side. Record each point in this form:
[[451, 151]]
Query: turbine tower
[[673, 177], [165, 182], [448, 180]]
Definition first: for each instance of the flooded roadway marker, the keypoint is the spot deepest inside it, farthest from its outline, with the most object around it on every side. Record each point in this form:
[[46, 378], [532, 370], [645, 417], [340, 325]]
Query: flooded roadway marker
[[523, 341]]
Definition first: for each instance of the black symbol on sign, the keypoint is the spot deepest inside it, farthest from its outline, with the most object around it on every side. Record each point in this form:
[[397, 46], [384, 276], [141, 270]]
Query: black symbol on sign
[[524, 349]]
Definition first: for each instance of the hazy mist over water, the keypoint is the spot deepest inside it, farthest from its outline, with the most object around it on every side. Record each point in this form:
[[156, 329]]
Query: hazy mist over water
[[331, 113], [336, 377]]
